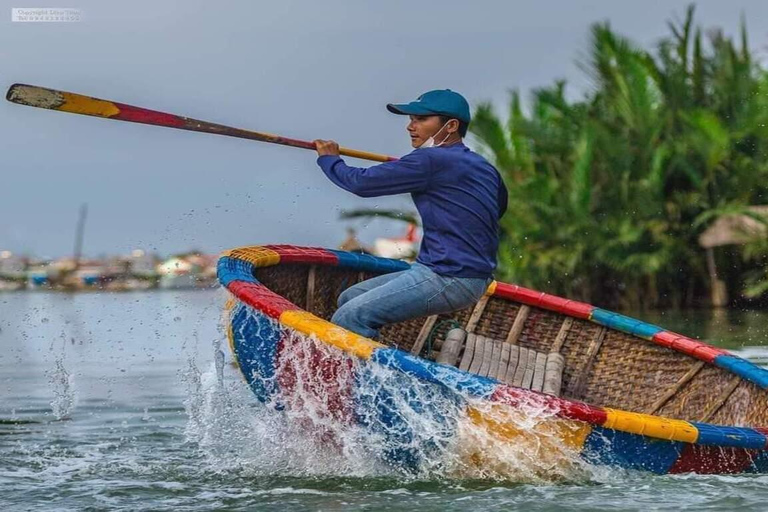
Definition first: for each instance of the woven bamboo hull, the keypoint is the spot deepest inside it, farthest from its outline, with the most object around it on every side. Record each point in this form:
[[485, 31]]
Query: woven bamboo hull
[[637, 396]]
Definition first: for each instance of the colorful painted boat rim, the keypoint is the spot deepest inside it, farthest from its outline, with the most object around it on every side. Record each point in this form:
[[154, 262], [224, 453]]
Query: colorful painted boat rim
[[235, 272]]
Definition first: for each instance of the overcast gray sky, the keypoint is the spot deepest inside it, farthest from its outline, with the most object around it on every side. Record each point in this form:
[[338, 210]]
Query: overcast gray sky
[[304, 69]]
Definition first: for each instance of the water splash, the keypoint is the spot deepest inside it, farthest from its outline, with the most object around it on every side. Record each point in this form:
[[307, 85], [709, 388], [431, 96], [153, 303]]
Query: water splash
[[62, 385], [337, 415]]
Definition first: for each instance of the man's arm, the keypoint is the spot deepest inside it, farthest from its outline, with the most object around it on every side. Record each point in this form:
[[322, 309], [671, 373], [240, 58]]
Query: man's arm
[[409, 174]]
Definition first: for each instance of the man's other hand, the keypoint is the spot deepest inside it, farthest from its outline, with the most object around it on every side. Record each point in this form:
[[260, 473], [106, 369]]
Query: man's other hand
[[326, 147]]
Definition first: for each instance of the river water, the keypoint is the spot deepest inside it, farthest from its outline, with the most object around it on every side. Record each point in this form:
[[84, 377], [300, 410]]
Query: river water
[[115, 401]]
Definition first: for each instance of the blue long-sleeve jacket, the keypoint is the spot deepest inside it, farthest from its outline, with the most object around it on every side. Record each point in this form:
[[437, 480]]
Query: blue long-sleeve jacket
[[459, 195]]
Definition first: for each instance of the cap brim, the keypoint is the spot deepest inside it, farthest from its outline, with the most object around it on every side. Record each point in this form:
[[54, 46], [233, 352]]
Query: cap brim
[[409, 109]]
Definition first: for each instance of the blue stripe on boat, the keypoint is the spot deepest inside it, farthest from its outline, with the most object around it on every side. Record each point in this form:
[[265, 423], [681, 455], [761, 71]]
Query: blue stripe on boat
[[385, 402], [743, 368], [624, 323], [255, 338], [631, 451], [738, 437], [432, 372], [368, 263], [231, 269]]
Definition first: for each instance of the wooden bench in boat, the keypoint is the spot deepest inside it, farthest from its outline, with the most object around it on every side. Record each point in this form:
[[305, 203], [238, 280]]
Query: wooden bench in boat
[[503, 361]]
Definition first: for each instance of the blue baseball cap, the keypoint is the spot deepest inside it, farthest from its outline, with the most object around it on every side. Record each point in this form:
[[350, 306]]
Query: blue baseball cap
[[440, 102]]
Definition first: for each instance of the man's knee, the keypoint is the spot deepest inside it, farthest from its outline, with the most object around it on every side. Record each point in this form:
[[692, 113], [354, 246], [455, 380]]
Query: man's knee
[[347, 295], [354, 319], [341, 312]]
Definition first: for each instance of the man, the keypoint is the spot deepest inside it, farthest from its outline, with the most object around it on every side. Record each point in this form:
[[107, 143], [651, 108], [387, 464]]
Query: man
[[460, 198]]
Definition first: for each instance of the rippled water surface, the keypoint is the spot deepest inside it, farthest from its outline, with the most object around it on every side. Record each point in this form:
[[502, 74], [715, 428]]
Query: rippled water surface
[[114, 401]]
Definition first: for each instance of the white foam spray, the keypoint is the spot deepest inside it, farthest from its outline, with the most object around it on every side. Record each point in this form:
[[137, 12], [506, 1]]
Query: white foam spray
[[448, 435]]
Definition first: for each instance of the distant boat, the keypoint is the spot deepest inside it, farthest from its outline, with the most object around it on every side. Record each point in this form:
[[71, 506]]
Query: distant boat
[[40, 277], [404, 247], [177, 273], [185, 272], [611, 389]]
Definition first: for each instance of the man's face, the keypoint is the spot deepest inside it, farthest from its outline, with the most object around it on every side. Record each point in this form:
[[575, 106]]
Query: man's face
[[423, 127]]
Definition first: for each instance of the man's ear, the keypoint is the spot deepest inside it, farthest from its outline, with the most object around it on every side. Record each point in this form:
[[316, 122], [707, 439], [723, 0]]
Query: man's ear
[[452, 126]]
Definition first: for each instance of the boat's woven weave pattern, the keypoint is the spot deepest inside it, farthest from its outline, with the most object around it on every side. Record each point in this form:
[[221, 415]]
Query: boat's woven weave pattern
[[629, 373]]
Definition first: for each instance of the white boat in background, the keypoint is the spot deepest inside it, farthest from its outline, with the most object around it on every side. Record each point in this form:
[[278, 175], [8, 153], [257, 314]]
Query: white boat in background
[[185, 272], [405, 247]]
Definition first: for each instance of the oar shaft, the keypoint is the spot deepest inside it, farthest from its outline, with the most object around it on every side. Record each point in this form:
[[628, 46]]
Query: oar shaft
[[52, 99]]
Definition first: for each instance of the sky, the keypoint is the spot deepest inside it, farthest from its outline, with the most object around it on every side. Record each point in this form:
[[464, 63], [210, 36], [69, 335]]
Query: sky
[[302, 69]]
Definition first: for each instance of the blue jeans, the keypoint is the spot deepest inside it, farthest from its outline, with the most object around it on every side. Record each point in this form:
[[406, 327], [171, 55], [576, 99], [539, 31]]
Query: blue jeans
[[391, 298]]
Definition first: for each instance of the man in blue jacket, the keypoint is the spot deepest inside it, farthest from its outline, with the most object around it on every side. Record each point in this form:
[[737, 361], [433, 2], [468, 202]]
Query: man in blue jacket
[[460, 198]]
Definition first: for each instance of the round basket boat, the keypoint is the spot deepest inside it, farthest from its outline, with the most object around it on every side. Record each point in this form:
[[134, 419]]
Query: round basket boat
[[629, 394]]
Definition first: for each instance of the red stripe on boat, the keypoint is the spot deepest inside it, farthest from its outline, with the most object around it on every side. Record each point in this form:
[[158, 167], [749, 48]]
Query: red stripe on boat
[[261, 298], [710, 459], [583, 412], [315, 384], [707, 353], [142, 115], [688, 346], [543, 300], [293, 254], [519, 397]]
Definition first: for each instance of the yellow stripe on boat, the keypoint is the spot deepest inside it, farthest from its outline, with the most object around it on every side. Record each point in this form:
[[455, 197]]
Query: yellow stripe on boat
[[229, 306], [258, 256], [571, 433], [652, 426], [309, 324], [491, 288]]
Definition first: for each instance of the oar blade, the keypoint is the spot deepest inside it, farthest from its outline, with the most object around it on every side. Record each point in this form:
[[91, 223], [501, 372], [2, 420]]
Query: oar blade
[[51, 99]]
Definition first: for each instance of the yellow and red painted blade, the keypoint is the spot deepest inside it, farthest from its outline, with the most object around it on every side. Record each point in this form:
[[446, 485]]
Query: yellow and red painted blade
[[52, 99]]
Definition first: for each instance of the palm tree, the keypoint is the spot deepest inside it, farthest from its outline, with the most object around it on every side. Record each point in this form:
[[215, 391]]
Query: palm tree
[[609, 194]]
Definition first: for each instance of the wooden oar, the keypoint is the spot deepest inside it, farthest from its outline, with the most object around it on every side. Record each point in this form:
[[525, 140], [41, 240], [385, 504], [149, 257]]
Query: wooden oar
[[51, 99]]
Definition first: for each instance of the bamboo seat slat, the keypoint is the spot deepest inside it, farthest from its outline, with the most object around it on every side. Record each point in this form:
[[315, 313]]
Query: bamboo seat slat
[[540, 365], [530, 368], [495, 358], [553, 374], [451, 347], [426, 329], [477, 312], [517, 325], [557, 346], [477, 359], [514, 358], [522, 364], [487, 356], [501, 370], [469, 352]]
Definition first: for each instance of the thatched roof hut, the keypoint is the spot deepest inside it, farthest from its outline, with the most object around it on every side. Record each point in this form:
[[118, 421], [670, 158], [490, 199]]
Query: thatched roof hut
[[736, 229]]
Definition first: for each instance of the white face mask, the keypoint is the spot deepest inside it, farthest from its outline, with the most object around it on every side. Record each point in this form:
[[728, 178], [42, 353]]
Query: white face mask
[[430, 142]]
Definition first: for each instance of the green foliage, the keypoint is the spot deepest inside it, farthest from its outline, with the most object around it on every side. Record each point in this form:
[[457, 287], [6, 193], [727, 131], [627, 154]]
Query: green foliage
[[609, 194]]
